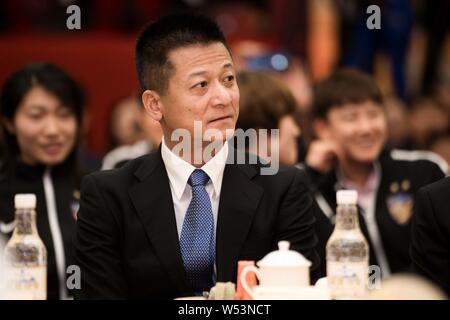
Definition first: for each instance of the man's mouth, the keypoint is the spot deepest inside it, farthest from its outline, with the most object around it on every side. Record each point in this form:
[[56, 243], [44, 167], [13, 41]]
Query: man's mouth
[[220, 119], [369, 143]]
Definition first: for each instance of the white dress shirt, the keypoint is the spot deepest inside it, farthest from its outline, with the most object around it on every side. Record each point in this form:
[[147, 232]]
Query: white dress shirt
[[179, 172]]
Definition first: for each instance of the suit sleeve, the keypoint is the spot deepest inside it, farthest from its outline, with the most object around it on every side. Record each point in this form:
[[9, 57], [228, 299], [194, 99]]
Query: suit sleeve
[[429, 249], [296, 222], [96, 247]]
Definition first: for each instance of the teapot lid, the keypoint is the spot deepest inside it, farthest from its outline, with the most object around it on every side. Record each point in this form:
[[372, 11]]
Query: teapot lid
[[283, 257]]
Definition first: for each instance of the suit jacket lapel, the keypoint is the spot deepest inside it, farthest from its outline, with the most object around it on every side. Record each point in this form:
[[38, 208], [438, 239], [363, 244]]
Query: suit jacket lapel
[[239, 199], [152, 199]]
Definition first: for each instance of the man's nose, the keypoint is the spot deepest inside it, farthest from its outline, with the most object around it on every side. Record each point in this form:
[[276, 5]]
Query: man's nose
[[365, 124], [221, 95]]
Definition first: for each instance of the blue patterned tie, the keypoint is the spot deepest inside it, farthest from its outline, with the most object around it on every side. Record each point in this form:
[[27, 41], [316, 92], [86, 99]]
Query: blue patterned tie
[[197, 241]]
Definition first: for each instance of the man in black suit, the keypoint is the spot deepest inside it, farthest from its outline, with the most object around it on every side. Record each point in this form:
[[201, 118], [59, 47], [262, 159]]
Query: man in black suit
[[170, 224], [430, 239]]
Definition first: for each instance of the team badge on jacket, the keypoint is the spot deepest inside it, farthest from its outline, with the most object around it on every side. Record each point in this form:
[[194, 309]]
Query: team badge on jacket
[[400, 201]]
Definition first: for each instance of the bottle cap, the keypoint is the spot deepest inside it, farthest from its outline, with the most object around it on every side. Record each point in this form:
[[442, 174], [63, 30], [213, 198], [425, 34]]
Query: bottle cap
[[25, 201], [347, 197]]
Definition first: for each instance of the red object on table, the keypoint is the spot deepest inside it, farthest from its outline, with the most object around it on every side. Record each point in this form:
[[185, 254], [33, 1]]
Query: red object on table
[[241, 294]]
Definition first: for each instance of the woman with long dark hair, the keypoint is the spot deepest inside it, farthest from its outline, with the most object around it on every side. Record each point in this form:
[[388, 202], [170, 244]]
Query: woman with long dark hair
[[41, 110]]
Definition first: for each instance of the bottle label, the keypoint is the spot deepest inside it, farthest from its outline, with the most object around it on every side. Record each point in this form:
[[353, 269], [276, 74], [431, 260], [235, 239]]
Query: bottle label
[[347, 280], [26, 283]]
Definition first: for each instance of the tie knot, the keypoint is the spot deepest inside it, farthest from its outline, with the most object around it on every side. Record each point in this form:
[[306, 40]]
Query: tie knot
[[198, 177]]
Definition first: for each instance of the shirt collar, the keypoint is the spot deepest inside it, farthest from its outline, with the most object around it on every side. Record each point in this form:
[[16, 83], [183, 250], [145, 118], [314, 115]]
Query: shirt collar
[[370, 185], [180, 170]]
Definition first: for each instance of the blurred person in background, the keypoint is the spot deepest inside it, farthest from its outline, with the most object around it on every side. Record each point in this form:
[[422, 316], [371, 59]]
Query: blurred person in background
[[350, 153], [430, 237], [41, 110], [297, 79], [124, 125], [266, 103], [149, 138], [255, 56]]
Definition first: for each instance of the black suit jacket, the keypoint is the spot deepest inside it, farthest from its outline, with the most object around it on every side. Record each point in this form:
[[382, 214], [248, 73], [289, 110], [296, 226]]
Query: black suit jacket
[[126, 241], [430, 239]]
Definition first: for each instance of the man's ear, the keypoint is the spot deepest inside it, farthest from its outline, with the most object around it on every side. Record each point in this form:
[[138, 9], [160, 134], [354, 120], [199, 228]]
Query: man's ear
[[152, 104], [321, 129]]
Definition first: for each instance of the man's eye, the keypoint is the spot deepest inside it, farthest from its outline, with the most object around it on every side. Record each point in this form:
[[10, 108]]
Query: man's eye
[[202, 84], [229, 78], [373, 113]]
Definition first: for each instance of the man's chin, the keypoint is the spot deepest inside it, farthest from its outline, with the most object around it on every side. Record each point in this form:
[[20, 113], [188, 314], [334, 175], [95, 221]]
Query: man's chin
[[367, 158], [218, 134], [365, 155]]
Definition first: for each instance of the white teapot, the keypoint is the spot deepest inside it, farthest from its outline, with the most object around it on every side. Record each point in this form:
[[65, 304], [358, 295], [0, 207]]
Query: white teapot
[[280, 268]]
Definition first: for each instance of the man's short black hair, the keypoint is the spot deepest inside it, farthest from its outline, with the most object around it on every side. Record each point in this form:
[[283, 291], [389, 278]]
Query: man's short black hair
[[344, 86], [166, 34]]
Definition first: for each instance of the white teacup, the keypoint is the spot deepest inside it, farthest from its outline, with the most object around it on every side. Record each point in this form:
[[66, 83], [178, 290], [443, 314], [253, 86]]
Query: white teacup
[[281, 268]]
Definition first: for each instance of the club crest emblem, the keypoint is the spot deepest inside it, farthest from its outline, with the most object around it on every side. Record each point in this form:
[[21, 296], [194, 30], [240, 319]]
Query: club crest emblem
[[400, 202]]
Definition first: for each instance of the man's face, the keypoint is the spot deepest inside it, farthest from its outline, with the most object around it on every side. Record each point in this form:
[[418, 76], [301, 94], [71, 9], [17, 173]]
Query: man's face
[[202, 88], [358, 130]]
